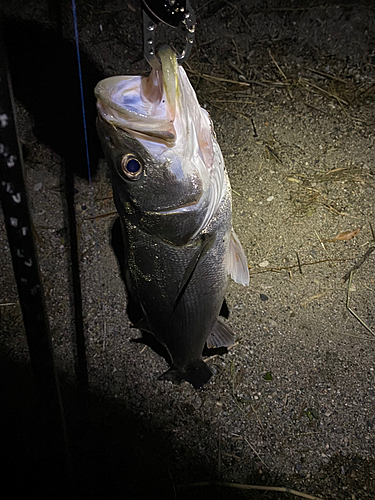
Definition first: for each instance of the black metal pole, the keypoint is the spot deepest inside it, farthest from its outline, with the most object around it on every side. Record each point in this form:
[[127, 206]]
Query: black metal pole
[[26, 270]]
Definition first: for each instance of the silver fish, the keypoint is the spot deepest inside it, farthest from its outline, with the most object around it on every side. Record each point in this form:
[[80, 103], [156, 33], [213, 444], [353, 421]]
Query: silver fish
[[173, 196]]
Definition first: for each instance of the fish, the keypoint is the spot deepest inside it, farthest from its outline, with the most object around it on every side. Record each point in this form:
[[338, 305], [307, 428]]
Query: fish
[[173, 197]]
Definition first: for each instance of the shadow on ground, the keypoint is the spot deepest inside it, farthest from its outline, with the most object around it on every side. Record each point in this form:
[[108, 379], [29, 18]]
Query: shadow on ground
[[117, 452], [43, 66]]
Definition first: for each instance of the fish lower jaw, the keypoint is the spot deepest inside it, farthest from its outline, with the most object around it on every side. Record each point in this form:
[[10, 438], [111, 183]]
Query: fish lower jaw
[[176, 210]]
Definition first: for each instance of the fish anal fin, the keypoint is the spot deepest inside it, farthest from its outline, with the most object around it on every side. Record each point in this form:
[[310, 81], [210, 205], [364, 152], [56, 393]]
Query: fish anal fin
[[221, 336], [237, 264]]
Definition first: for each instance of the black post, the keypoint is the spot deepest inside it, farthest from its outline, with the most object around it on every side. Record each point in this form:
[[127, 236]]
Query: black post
[[26, 269]]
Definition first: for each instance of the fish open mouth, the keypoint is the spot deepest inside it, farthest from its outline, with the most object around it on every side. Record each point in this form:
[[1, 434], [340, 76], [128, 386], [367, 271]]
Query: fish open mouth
[[143, 106], [181, 208], [161, 108], [163, 114]]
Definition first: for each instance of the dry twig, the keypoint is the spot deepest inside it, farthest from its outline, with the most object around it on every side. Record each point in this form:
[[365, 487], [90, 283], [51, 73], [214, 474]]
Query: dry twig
[[282, 489], [314, 297], [324, 248], [372, 232], [351, 310], [359, 263], [308, 85], [327, 75], [299, 263], [239, 12], [276, 64], [287, 268], [217, 78], [256, 453]]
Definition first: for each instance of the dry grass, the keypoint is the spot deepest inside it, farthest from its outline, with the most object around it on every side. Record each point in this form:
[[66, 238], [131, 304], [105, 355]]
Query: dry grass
[[281, 489], [307, 84], [308, 189]]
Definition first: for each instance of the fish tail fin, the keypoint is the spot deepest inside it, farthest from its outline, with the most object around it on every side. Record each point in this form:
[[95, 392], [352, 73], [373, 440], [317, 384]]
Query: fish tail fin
[[197, 373]]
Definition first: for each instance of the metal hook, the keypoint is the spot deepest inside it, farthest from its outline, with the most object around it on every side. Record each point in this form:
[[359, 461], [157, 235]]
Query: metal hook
[[170, 12]]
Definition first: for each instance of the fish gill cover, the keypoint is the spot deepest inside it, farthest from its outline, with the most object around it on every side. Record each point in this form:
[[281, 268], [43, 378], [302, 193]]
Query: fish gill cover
[[161, 111]]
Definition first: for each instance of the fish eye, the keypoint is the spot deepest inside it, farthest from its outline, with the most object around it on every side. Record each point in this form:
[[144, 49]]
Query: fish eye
[[131, 167]]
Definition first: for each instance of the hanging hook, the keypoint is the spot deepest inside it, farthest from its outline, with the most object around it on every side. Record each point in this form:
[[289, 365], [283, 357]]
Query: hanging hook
[[173, 13]]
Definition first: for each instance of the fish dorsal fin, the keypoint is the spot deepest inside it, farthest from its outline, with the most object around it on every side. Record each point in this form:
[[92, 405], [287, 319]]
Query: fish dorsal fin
[[237, 262], [221, 336], [206, 243]]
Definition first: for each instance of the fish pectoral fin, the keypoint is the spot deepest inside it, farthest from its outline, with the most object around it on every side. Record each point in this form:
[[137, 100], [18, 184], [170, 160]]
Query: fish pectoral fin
[[221, 336], [237, 262], [197, 373], [207, 240]]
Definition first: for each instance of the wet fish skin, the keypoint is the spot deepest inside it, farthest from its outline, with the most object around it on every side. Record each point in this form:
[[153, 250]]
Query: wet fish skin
[[178, 239], [150, 201], [155, 267]]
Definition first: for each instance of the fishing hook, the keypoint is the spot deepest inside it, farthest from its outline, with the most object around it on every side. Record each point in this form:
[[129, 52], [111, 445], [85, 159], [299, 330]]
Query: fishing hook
[[173, 13]]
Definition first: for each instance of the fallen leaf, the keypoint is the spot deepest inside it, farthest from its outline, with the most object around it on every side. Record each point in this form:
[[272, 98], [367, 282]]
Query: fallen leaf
[[345, 235]]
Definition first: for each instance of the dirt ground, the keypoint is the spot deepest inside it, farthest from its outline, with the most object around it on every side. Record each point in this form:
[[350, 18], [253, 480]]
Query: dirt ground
[[290, 87]]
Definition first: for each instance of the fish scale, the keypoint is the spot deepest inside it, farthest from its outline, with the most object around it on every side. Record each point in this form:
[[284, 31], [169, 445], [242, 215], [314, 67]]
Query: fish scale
[[175, 208], [151, 261]]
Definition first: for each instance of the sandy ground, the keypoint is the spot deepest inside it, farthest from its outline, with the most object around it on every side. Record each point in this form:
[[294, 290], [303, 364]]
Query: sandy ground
[[290, 88]]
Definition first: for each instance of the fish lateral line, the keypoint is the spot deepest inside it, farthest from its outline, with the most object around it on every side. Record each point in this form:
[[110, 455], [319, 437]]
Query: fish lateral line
[[207, 241]]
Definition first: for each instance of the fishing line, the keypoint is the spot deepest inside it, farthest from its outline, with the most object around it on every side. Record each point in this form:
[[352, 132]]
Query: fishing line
[[75, 23], [76, 38]]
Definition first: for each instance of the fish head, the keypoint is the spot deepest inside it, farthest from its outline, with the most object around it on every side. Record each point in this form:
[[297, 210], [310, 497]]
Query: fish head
[[164, 161]]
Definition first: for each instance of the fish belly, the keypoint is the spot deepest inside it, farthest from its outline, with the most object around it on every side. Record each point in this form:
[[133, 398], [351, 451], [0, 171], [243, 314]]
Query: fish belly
[[156, 270]]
